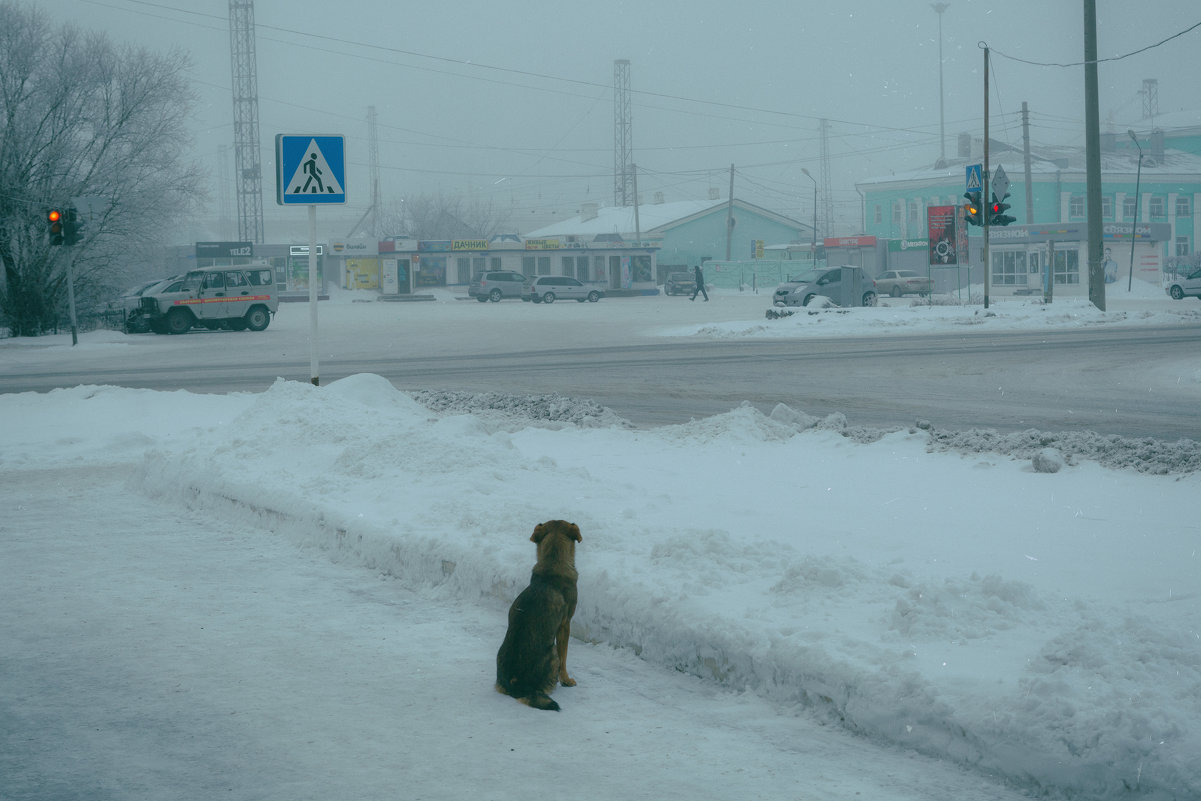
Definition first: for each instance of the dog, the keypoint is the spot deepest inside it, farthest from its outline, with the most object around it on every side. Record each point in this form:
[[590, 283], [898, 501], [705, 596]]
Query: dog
[[533, 656]]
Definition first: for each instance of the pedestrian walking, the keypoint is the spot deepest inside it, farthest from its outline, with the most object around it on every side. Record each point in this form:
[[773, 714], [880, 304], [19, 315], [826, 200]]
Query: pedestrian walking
[[700, 284]]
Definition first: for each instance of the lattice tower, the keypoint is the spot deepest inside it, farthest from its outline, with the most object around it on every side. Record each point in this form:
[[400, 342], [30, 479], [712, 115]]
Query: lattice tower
[[248, 168], [623, 145]]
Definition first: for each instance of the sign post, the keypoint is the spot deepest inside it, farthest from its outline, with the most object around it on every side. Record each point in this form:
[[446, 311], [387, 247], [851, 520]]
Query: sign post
[[310, 171]]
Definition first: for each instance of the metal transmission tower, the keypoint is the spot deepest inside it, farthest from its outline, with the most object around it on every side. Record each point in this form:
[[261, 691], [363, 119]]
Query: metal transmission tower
[[248, 168], [1150, 95], [827, 202], [373, 211], [623, 146]]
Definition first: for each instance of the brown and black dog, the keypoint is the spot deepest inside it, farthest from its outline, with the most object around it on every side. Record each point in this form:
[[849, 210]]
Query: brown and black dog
[[534, 654]]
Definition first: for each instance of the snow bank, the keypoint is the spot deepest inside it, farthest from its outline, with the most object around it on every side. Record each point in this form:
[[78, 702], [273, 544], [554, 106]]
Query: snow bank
[[936, 593]]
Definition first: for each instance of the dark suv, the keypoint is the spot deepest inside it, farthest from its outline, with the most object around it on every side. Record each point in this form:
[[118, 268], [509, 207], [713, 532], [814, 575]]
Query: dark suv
[[496, 284]]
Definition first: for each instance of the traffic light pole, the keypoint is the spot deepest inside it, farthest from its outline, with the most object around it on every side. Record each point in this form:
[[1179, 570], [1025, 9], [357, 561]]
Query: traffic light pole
[[71, 294]]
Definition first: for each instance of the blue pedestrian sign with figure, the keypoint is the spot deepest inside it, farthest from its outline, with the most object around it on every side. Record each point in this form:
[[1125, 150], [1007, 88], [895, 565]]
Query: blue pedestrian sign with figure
[[310, 169]]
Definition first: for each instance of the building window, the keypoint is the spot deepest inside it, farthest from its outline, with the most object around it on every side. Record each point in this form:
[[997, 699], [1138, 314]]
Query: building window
[[1107, 207], [569, 266], [496, 263], [1182, 246], [1184, 206], [1076, 206], [1067, 267], [915, 210], [879, 214], [544, 265], [1128, 206], [1009, 268], [897, 214], [1157, 209], [527, 265]]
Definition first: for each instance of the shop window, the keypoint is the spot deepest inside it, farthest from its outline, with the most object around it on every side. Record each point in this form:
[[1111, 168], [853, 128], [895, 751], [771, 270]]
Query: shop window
[[1067, 267], [1157, 209], [569, 266], [1076, 206], [1009, 268], [528, 265], [544, 265], [1184, 206], [496, 263]]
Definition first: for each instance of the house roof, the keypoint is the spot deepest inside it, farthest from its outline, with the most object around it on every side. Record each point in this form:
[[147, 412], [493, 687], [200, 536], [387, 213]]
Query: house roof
[[652, 218]]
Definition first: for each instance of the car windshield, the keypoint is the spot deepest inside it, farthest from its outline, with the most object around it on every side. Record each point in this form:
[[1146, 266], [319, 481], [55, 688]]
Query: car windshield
[[806, 277]]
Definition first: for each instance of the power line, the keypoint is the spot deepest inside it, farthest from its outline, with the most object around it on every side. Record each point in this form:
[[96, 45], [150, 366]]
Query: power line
[[1100, 60]]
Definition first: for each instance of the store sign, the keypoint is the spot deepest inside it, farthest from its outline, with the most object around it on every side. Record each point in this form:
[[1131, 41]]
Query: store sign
[[541, 244], [224, 250], [469, 244], [849, 242]]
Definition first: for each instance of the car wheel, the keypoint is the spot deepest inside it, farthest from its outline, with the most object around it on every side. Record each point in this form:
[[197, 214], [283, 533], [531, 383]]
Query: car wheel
[[257, 319], [896, 292], [481, 299], [179, 321], [495, 296], [549, 297], [869, 299], [593, 296], [808, 298], [1176, 292]]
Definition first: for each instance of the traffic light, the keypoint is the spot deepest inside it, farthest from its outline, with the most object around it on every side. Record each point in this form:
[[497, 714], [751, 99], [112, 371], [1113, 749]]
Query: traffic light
[[71, 226], [972, 209], [54, 218], [997, 215]]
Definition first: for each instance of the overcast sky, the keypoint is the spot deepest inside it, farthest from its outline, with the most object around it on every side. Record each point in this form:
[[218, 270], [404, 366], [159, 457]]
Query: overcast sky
[[513, 102]]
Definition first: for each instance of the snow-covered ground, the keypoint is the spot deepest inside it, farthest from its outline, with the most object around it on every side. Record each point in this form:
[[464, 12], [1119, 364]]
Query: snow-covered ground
[[1023, 613]]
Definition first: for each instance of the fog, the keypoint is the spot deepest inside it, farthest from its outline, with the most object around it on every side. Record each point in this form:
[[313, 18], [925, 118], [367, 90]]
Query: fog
[[512, 104]]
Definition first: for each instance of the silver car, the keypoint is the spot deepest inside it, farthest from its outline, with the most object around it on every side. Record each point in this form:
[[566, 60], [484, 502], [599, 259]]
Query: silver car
[[1189, 286], [846, 285], [549, 288]]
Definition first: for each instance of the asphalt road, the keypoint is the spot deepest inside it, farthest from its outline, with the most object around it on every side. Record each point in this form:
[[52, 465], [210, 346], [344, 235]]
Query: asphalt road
[[1113, 381]]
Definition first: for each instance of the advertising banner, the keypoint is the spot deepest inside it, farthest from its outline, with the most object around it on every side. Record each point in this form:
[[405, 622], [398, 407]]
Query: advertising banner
[[941, 221]]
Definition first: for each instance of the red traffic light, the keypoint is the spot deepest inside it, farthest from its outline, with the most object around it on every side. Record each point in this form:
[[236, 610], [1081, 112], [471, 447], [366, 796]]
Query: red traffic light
[[54, 215]]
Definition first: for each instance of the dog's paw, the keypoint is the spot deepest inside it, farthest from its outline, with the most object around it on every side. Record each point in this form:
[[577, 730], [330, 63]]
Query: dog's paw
[[567, 681]]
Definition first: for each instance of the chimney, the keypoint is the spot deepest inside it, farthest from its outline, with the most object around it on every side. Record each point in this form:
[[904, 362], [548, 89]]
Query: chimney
[[588, 211]]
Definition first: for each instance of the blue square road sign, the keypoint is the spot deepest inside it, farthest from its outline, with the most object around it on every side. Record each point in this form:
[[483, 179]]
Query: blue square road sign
[[310, 169]]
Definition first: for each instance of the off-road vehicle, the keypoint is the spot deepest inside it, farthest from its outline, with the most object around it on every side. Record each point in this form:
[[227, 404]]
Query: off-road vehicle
[[237, 298]]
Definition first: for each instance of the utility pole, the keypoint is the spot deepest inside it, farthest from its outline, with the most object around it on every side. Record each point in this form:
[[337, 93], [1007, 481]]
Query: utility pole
[[985, 199], [1092, 145], [730, 214], [1026, 152], [939, 8]]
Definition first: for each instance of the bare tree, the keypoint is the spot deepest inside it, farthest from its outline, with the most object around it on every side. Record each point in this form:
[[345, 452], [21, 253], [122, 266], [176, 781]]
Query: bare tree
[[81, 117], [444, 217]]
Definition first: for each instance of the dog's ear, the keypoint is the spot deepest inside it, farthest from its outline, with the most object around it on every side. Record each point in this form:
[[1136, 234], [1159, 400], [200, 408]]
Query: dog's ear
[[574, 532], [539, 533]]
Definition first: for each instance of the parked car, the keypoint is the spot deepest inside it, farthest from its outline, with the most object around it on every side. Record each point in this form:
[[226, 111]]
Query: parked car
[[1189, 286], [679, 284], [549, 288], [236, 298], [846, 285], [895, 283], [136, 321], [495, 285]]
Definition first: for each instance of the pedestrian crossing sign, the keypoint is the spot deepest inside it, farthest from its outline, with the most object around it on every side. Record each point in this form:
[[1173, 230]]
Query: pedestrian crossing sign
[[310, 169]]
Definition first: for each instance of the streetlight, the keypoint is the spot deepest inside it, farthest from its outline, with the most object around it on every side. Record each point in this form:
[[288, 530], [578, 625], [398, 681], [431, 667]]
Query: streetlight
[[813, 253], [1134, 228], [942, 133]]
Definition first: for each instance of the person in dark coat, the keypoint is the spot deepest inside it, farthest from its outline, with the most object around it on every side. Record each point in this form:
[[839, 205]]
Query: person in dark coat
[[700, 284]]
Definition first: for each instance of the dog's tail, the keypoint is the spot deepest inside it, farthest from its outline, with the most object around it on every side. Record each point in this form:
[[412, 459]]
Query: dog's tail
[[536, 699], [541, 701]]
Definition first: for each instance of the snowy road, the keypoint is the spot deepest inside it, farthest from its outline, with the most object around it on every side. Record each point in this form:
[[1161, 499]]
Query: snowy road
[[153, 653]]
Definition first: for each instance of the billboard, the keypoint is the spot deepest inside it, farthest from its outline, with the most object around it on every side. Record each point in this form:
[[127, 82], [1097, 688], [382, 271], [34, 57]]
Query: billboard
[[942, 224]]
